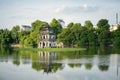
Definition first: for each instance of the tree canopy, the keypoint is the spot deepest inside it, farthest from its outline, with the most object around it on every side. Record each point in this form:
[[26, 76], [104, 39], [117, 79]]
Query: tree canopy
[[56, 26], [74, 35], [103, 24], [88, 24]]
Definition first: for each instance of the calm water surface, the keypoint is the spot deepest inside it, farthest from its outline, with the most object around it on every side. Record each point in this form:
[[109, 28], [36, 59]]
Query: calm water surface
[[92, 64]]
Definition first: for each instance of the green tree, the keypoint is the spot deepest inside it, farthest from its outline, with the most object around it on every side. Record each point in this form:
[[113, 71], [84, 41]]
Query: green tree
[[103, 24], [56, 26], [104, 38], [116, 37], [64, 37], [37, 25], [22, 36], [6, 38], [76, 31], [92, 37], [83, 37], [33, 38], [70, 35], [70, 25], [88, 24], [14, 33], [104, 34], [1, 31], [16, 28], [90, 33]]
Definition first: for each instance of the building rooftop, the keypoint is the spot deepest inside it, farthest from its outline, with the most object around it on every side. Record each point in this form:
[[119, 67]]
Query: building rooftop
[[24, 26], [47, 30]]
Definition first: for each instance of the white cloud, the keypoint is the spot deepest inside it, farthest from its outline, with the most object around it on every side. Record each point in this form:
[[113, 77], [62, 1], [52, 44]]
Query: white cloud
[[72, 10], [60, 9], [85, 6], [76, 9]]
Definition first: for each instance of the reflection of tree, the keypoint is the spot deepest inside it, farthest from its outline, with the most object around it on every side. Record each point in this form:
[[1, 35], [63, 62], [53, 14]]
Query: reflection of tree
[[35, 62], [88, 66], [25, 57], [16, 58], [45, 60], [74, 65], [57, 66], [91, 50], [103, 62], [17, 62], [103, 50], [4, 53], [69, 55], [36, 66], [103, 67]]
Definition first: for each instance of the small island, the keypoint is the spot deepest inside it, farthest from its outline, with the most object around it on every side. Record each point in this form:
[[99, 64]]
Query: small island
[[54, 37]]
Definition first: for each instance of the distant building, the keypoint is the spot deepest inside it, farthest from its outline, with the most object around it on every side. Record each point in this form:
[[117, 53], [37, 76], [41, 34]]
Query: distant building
[[47, 37], [25, 28], [114, 27], [61, 22]]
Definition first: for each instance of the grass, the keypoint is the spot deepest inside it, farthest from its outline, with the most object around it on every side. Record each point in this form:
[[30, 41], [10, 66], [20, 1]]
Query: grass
[[51, 49]]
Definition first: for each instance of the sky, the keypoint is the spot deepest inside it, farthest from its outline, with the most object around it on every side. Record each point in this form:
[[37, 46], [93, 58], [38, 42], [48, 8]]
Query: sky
[[24, 12]]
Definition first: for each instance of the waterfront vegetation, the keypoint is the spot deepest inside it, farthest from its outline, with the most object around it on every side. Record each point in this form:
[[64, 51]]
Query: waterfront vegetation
[[74, 35], [26, 63]]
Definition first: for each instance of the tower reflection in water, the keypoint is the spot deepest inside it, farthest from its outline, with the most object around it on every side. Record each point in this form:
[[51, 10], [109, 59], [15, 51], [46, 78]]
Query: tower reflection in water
[[47, 61]]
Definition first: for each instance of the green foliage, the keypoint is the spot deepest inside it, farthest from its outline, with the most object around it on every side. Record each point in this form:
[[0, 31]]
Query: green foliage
[[103, 24], [71, 35], [103, 38], [56, 26], [74, 35], [92, 38], [16, 28], [37, 25], [22, 36], [1, 31], [88, 24], [75, 29], [116, 37], [70, 25], [5, 37], [83, 38], [104, 34], [31, 38], [15, 34]]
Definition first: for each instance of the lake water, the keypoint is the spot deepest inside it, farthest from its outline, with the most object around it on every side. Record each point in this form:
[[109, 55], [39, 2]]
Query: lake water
[[91, 64]]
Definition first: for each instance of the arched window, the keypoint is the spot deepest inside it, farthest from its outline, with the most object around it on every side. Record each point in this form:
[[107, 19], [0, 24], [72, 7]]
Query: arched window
[[50, 45], [43, 44], [43, 37]]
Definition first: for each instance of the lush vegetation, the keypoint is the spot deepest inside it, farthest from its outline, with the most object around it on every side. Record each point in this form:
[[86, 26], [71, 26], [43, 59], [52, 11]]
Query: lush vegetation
[[74, 35]]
